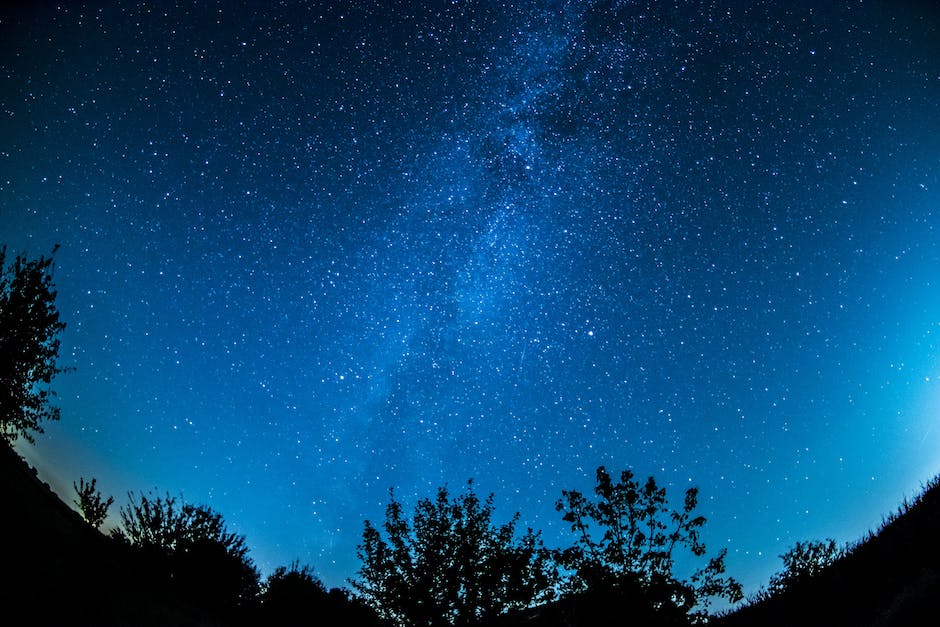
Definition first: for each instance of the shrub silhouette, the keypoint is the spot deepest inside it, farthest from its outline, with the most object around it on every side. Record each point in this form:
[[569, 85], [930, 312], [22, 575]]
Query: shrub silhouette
[[625, 549], [29, 344], [451, 565], [293, 595], [889, 578], [292, 588], [191, 547], [802, 562], [93, 507]]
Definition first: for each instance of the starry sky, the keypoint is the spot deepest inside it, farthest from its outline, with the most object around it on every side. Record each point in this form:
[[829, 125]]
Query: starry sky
[[312, 251]]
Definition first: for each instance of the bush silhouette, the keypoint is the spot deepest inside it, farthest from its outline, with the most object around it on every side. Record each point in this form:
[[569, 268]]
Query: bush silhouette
[[190, 546], [802, 562], [293, 595]]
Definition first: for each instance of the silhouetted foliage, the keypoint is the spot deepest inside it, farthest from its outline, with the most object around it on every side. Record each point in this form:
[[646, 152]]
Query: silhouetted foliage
[[91, 504], [293, 595], [626, 544], [891, 578], [451, 565], [802, 562], [191, 544], [29, 345]]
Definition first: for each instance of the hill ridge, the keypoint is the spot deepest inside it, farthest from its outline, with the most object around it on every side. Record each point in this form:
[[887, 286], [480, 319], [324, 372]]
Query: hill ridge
[[889, 578]]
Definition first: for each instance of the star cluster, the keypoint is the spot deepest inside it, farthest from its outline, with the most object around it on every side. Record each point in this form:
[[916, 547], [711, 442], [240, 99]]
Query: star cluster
[[311, 251]]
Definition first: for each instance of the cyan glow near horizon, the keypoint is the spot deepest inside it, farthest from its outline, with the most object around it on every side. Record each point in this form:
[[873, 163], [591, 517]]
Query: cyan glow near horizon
[[311, 252]]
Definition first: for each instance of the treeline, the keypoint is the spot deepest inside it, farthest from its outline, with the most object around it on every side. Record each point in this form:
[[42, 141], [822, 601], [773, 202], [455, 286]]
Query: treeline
[[444, 562], [448, 563]]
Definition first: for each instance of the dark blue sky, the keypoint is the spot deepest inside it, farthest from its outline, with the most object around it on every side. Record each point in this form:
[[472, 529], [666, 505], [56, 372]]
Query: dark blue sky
[[310, 253]]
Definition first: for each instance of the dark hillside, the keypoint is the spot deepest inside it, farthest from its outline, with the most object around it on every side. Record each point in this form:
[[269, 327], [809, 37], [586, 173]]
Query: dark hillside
[[58, 570], [891, 579]]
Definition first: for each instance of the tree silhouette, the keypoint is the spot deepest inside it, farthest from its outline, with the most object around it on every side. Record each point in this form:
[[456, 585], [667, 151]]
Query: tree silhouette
[[626, 547], [191, 545], [451, 565], [29, 345], [90, 503]]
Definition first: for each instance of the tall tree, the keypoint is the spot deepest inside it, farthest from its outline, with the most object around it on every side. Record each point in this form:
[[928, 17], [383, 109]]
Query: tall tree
[[29, 345], [626, 545], [451, 565]]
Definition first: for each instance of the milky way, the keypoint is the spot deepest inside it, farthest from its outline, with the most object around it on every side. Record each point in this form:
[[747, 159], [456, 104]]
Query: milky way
[[310, 253]]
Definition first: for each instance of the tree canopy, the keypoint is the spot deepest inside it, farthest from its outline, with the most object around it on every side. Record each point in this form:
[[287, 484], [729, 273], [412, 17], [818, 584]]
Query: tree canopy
[[802, 562], [193, 547], [626, 545], [451, 565], [29, 345]]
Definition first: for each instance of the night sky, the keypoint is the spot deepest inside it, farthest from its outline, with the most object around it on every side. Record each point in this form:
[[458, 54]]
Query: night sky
[[310, 253]]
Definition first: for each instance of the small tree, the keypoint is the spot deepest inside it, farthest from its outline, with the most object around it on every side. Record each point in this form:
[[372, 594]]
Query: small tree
[[29, 345], [90, 503], [802, 562], [451, 565], [626, 547], [191, 542]]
